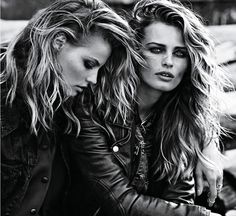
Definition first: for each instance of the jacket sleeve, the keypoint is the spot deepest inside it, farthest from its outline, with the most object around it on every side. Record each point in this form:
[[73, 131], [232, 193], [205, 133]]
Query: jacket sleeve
[[183, 191], [93, 157]]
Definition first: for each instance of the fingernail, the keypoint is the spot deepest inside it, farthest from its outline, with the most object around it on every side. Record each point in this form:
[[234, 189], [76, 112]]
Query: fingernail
[[198, 192], [210, 204]]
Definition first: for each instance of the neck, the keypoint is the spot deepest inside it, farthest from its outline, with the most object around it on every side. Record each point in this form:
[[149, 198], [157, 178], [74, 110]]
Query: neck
[[147, 98]]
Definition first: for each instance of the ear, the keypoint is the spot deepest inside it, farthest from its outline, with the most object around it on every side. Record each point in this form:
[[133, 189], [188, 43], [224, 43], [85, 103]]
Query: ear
[[59, 41]]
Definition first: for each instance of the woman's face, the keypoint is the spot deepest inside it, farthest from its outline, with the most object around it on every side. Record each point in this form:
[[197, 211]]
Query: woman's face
[[80, 64], [166, 56]]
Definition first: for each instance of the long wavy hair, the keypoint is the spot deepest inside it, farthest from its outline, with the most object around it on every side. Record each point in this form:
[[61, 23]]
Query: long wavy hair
[[33, 71], [187, 117]]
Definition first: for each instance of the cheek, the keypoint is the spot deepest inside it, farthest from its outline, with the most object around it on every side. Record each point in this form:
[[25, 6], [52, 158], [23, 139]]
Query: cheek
[[152, 63], [146, 73], [182, 68], [76, 68]]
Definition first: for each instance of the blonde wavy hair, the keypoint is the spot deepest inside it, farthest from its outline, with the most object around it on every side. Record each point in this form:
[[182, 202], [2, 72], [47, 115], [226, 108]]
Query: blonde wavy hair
[[188, 116], [33, 72]]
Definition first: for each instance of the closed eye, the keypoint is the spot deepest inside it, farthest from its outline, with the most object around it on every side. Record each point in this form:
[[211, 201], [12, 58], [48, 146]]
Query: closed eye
[[90, 63]]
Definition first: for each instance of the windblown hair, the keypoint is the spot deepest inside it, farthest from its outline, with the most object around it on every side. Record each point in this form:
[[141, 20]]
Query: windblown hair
[[188, 116], [33, 71]]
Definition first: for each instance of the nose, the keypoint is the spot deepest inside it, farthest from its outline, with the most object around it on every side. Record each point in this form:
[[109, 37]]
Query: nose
[[167, 61], [92, 78]]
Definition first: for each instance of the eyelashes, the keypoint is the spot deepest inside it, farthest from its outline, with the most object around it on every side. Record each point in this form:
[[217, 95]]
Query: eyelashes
[[90, 64], [180, 53], [156, 50]]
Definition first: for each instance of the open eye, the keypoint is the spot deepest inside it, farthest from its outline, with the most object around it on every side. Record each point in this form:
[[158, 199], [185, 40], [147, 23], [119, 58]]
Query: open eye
[[156, 50], [90, 64], [181, 53]]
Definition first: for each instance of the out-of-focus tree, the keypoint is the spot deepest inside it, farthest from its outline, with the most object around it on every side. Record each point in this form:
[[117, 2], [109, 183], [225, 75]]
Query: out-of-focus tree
[[214, 12], [125, 2], [21, 9]]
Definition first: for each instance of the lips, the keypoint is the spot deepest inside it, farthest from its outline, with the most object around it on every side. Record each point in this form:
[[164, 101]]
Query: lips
[[165, 74]]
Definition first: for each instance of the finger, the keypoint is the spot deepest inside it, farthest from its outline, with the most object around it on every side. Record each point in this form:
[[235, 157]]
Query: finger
[[212, 193], [199, 182], [219, 184]]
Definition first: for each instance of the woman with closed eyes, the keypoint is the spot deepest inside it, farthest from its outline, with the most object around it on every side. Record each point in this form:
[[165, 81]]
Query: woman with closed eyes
[[144, 164], [57, 56]]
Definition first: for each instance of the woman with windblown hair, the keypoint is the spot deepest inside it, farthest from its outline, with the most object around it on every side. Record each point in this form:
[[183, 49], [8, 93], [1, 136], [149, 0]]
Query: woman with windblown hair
[[55, 57], [178, 95], [144, 166]]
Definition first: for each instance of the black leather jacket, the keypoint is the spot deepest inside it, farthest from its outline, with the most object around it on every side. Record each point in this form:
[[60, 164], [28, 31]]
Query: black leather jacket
[[109, 174]]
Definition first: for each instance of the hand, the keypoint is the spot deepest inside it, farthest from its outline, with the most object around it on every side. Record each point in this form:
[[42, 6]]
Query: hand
[[213, 174]]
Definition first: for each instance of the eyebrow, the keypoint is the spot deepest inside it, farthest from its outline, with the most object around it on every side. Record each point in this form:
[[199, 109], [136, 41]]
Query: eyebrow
[[154, 43], [182, 48], [162, 45]]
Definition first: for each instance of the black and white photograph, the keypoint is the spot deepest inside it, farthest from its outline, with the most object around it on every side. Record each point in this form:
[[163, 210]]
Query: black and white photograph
[[118, 107]]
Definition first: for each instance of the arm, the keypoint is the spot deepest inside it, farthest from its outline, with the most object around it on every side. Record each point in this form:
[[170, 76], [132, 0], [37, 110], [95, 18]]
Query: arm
[[98, 165], [183, 191]]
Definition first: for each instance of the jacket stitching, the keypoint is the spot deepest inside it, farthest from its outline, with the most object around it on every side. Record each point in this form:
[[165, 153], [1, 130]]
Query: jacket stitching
[[103, 184]]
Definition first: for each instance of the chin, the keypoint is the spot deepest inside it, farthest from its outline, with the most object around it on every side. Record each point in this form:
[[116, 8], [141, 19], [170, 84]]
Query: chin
[[165, 88]]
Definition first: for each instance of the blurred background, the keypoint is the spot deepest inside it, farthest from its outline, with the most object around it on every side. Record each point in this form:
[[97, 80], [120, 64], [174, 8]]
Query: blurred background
[[220, 18]]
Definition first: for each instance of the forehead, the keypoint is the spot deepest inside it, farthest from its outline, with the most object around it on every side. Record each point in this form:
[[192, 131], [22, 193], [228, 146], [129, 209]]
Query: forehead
[[95, 46], [163, 33]]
